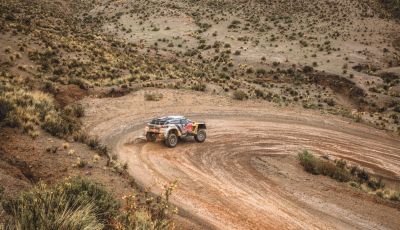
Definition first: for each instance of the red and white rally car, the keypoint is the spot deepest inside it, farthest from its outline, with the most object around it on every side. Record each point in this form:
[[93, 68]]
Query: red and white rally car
[[171, 128]]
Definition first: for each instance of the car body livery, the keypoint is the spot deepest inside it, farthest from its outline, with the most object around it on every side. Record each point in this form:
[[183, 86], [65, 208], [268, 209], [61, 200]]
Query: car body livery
[[172, 128]]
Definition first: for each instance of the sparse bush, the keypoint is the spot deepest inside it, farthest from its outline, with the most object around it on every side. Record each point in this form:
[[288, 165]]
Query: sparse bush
[[259, 93], [77, 188], [81, 163], [60, 125], [79, 82], [363, 175], [73, 204], [308, 161], [80, 136], [308, 69], [93, 142], [249, 70], [354, 184], [153, 96], [326, 168], [340, 171], [75, 110], [330, 102], [395, 196], [199, 86], [319, 166], [341, 163], [261, 71], [141, 211], [341, 174], [5, 108], [239, 95], [375, 184], [103, 150], [26, 110]]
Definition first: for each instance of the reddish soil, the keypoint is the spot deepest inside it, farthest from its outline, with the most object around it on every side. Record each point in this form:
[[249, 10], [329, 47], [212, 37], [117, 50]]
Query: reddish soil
[[24, 161], [69, 94]]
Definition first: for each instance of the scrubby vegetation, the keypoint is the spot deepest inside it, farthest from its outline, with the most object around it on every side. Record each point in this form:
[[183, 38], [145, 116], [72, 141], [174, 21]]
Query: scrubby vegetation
[[239, 95], [147, 212], [341, 171], [153, 96], [317, 166], [78, 203], [115, 60], [29, 110], [54, 54]]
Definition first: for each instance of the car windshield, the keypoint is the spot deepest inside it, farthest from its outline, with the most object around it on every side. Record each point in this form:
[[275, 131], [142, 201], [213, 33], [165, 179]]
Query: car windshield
[[159, 121]]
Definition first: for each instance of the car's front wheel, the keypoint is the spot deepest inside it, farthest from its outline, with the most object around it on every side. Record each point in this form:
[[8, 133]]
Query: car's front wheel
[[201, 135], [171, 140]]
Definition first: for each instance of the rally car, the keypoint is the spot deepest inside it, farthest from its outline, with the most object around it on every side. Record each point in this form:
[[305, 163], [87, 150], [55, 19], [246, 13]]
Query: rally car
[[172, 128]]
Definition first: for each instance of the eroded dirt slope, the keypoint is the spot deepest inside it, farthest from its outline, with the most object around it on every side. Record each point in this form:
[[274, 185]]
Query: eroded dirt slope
[[246, 175]]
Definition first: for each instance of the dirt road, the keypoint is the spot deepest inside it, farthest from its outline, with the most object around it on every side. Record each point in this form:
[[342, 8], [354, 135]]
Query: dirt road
[[246, 175]]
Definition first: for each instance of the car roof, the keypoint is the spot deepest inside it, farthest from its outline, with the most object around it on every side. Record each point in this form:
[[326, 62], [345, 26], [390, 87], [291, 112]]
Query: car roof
[[163, 120], [172, 117]]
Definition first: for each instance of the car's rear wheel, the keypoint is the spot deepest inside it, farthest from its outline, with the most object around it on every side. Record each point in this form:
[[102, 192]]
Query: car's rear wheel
[[200, 136], [151, 137], [171, 140]]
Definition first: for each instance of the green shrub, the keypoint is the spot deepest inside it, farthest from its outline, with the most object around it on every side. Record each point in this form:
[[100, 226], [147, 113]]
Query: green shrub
[[340, 171], [93, 142], [1, 192], [75, 110], [199, 86], [315, 165], [239, 95], [341, 163], [80, 136], [394, 196], [341, 174], [379, 193], [326, 168], [102, 149], [308, 161], [261, 71], [354, 184], [5, 108], [153, 96], [259, 93], [79, 82], [363, 175], [249, 70], [375, 184]]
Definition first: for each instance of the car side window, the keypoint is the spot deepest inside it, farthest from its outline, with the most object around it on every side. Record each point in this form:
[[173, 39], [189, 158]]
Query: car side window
[[184, 121], [174, 122]]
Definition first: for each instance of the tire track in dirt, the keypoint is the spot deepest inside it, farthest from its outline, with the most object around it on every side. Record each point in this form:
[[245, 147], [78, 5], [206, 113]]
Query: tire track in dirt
[[246, 176]]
